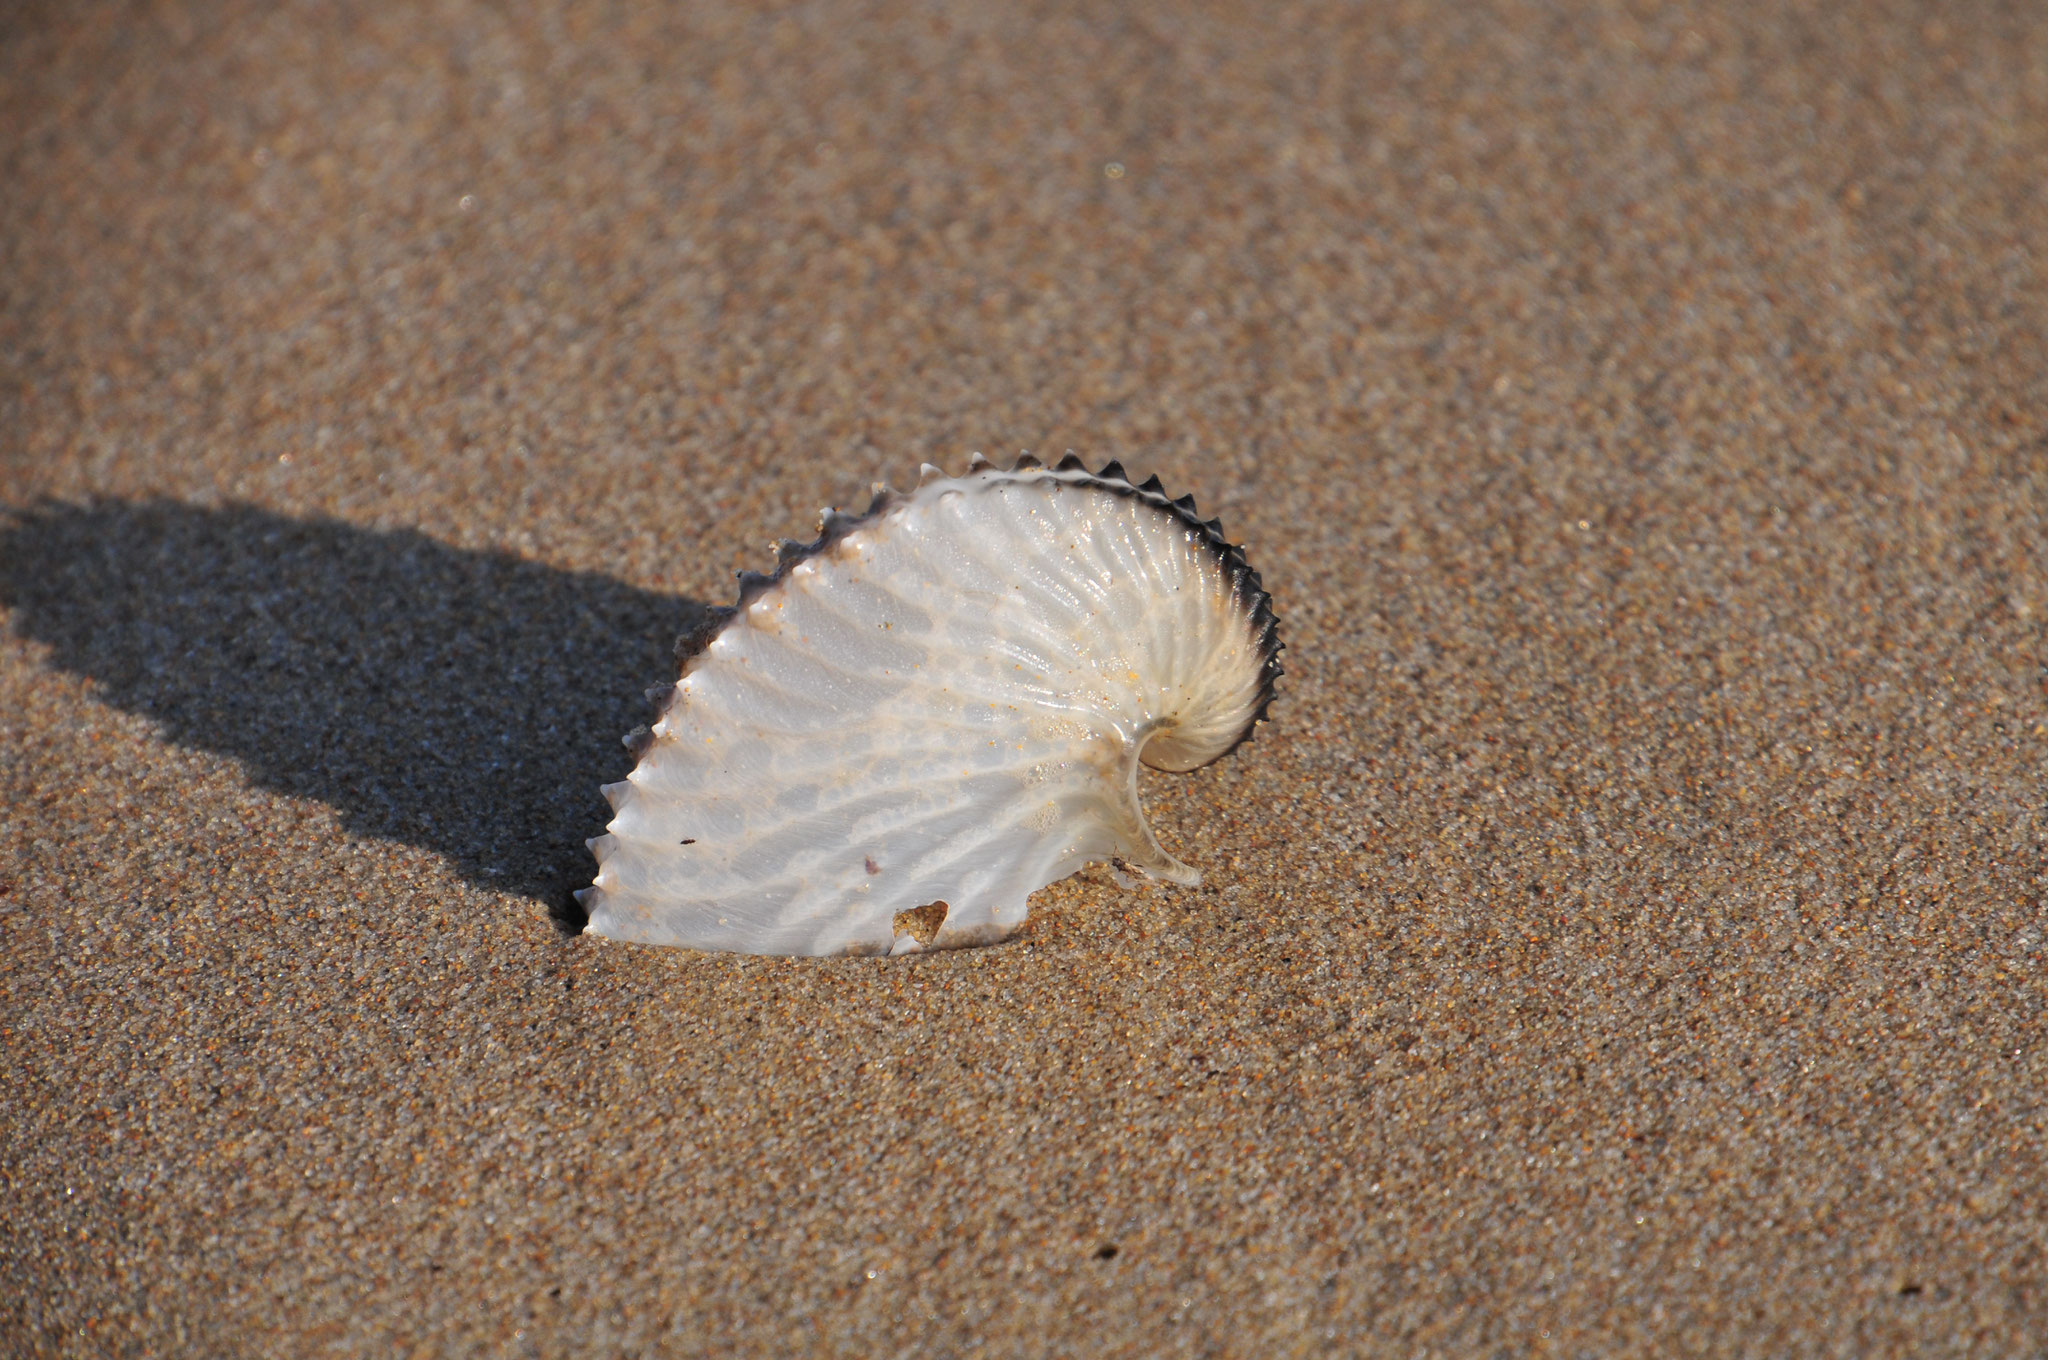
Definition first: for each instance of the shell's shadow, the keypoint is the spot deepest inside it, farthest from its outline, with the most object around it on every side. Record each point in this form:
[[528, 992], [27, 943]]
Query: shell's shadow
[[470, 703]]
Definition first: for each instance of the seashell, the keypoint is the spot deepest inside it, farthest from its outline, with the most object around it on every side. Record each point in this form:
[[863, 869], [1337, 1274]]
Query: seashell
[[931, 712]]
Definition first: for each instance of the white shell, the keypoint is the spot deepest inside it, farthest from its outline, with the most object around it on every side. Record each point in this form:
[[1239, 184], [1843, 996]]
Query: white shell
[[945, 701]]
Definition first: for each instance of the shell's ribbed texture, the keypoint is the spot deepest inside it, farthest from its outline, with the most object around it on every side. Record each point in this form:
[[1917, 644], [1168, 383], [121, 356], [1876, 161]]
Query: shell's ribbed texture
[[943, 700]]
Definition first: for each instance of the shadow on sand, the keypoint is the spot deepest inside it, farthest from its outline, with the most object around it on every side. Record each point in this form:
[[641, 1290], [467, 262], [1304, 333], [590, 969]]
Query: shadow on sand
[[469, 703]]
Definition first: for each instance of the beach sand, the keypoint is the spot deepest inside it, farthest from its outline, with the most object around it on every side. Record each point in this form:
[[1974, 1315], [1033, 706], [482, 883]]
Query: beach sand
[[1626, 937]]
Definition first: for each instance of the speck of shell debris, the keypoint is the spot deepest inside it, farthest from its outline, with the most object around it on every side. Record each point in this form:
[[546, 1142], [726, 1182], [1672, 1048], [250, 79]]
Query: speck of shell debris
[[1628, 938]]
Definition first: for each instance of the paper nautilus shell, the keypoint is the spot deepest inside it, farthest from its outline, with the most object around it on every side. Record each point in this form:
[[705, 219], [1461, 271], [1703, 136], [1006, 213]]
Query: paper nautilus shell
[[931, 712]]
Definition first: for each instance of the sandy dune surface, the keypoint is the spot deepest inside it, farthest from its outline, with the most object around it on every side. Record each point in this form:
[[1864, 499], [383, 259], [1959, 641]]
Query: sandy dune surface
[[1627, 937]]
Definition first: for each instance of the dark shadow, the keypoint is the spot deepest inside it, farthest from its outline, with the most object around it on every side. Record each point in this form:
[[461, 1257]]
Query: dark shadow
[[466, 702]]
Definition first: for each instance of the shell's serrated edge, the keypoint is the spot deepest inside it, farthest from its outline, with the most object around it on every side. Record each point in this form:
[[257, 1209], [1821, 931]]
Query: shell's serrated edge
[[571, 913], [1245, 582], [836, 526]]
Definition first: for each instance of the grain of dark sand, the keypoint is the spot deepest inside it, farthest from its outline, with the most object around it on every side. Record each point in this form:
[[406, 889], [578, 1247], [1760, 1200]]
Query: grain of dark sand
[[1626, 938]]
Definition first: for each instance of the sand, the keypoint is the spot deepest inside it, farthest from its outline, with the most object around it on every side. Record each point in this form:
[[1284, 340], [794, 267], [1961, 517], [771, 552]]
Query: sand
[[1627, 936]]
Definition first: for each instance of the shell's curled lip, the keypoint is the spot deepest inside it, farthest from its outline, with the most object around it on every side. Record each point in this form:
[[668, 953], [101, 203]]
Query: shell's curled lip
[[944, 697]]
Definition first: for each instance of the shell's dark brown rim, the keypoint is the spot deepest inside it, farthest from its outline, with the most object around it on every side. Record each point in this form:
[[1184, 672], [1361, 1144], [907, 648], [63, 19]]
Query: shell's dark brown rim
[[1111, 477]]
